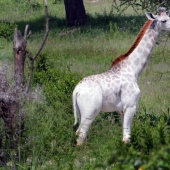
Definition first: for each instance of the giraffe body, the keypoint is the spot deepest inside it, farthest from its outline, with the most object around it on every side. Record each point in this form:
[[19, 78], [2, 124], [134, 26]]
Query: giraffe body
[[117, 88]]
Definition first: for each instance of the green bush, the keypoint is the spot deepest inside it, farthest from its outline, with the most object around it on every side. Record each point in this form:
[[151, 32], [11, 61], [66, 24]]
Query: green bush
[[57, 84], [149, 147], [7, 29]]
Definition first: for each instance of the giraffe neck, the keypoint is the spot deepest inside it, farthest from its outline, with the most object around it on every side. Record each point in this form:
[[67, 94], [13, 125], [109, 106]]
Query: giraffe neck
[[137, 56]]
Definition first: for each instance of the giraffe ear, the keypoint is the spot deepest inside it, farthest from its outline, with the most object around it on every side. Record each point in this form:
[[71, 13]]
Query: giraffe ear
[[168, 13], [150, 16]]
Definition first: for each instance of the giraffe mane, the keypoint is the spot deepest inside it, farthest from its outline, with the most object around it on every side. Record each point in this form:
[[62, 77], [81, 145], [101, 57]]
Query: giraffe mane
[[134, 45]]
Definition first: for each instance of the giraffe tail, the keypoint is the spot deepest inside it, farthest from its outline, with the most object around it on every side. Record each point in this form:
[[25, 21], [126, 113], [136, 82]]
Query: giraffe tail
[[76, 111]]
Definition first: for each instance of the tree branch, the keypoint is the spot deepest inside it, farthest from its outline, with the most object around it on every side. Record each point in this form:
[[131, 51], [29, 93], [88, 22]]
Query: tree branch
[[47, 30], [26, 35], [32, 59]]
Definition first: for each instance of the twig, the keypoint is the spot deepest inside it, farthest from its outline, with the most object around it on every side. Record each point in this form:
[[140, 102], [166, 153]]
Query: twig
[[26, 36], [32, 59], [46, 33]]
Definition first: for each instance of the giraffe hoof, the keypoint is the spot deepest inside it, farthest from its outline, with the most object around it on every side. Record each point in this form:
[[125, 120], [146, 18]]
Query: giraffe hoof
[[79, 142], [125, 141]]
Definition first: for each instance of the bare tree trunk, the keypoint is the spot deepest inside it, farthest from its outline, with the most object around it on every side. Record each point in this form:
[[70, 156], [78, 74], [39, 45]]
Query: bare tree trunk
[[19, 59], [75, 13]]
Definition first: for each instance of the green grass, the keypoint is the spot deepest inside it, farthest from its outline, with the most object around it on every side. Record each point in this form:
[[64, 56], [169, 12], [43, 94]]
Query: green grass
[[48, 141]]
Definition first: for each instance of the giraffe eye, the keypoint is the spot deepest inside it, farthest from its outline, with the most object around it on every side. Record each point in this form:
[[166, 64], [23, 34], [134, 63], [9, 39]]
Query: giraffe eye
[[164, 21]]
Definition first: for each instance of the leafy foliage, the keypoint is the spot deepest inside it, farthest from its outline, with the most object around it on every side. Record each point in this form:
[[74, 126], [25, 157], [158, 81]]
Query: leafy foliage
[[58, 84], [7, 29], [150, 5], [149, 142]]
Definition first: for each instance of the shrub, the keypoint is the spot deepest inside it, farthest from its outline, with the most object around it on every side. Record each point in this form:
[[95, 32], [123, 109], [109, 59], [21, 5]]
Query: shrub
[[57, 84], [149, 147], [7, 29]]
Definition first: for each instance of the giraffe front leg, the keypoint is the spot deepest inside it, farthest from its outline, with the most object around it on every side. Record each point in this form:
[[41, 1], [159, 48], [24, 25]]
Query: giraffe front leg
[[127, 118]]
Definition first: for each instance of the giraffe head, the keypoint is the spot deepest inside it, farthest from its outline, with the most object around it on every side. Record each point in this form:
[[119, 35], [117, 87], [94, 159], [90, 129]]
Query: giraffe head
[[162, 20]]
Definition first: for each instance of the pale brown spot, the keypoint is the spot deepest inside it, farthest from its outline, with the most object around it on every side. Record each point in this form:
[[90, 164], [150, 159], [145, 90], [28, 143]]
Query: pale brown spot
[[146, 52], [149, 45], [136, 61], [117, 81], [140, 49]]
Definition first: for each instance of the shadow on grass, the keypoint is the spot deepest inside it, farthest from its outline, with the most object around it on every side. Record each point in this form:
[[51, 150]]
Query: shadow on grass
[[125, 23]]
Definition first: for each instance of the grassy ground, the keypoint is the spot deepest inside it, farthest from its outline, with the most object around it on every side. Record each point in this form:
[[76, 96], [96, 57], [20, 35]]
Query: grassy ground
[[48, 141]]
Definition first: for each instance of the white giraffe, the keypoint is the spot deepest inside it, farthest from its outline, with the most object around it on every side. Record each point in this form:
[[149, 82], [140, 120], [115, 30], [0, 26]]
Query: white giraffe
[[117, 88]]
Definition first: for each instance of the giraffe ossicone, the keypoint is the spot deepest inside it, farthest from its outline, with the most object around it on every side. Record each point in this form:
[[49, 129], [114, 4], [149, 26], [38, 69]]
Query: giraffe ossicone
[[117, 88]]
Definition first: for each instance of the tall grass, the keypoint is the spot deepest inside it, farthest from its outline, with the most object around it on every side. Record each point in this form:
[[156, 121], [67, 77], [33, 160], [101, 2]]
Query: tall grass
[[48, 141]]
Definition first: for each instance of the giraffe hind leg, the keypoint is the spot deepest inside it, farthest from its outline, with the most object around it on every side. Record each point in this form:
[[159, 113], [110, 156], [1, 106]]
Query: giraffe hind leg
[[81, 134], [85, 124], [89, 107]]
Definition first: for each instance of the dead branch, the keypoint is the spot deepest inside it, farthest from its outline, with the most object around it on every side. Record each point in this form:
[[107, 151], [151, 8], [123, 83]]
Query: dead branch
[[67, 32], [32, 59], [26, 35]]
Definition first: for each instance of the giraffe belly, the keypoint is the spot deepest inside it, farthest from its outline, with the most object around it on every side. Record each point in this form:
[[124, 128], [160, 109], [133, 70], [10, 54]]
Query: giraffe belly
[[111, 103]]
